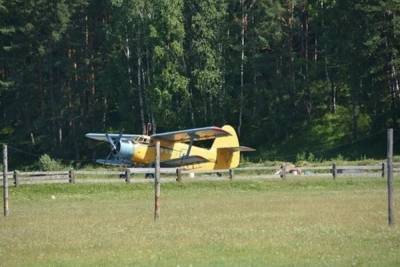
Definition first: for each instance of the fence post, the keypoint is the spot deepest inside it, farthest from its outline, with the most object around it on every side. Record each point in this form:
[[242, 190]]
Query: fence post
[[178, 174], [334, 171], [71, 176], [230, 174], [5, 180], [390, 176], [127, 175], [16, 179], [383, 170], [157, 184], [283, 171]]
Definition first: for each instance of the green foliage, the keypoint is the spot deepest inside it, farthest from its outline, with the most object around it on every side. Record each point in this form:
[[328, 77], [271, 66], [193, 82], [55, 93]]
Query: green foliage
[[301, 157], [7, 131], [331, 128], [305, 158], [46, 163], [339, 158], [318, 76]]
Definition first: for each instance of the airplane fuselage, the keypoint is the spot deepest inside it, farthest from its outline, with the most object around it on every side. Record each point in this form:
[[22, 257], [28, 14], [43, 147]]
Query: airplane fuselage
[[145, 154]]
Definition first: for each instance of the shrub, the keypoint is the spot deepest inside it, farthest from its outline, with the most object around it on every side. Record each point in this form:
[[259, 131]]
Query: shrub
[[311, 157], [301, 157], [339, 157], [46, 163], [304, 158]]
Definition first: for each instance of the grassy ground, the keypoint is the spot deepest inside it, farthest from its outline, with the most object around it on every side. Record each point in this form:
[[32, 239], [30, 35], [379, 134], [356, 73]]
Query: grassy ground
[[296, 222]]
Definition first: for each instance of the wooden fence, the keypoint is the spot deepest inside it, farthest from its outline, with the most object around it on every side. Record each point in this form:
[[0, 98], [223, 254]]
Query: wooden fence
[[71, 176], [18, 177]]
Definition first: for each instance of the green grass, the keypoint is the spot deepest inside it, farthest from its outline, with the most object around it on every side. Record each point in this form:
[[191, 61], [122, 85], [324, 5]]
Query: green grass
[[296, 222]]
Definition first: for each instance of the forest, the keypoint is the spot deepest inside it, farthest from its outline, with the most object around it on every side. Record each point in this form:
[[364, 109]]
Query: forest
[[313, 79]]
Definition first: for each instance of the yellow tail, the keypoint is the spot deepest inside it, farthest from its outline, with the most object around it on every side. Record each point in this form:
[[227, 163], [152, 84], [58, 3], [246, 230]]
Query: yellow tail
[[227, 156]]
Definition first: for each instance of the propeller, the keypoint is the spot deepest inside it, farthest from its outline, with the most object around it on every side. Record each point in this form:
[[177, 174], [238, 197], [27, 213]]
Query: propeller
[[115, 146]]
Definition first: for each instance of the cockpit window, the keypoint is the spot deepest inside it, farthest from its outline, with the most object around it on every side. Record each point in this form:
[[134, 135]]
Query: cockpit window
[[142, 140]]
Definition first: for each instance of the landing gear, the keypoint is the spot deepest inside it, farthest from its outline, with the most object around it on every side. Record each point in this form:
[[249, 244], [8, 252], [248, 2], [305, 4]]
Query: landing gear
[[149, 176]]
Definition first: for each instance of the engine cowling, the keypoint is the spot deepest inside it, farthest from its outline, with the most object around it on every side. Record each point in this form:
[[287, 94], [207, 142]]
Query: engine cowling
[[124, 149]]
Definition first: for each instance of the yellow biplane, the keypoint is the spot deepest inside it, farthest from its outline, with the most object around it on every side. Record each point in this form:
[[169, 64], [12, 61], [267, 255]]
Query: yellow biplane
[[176, 149]]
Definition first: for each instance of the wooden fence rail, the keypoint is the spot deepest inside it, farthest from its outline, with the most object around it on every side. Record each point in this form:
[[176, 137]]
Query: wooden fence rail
[[98, 173], [334, 171], [19, 177]]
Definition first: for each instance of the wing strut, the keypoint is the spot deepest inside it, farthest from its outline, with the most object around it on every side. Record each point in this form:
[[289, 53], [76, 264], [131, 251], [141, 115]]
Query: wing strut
[[190, 145]]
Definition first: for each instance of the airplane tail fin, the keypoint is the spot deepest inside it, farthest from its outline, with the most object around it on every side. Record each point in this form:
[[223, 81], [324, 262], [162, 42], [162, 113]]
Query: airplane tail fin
[[227, 149]]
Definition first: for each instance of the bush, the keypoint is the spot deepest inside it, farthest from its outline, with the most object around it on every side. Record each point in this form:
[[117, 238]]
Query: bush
[[339, 157], [304, 158], [46, 163]]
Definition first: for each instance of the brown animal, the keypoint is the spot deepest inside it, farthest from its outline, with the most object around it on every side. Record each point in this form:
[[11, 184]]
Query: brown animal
[[289, 168]]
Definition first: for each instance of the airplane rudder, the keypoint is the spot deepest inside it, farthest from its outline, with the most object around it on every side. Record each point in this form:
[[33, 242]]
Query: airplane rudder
[[232, 141], [230, 130], [226, 141], [226, 159]]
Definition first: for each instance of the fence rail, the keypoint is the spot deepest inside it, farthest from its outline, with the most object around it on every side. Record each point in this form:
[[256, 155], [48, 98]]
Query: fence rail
[[103, 172], [257, 172], [19, 177]]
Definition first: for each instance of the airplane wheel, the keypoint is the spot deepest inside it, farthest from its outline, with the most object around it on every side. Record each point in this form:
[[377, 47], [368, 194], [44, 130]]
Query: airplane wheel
[[219, 174], [149, 176]]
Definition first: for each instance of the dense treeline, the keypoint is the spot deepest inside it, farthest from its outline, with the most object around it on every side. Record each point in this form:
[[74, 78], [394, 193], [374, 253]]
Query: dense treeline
[[291, 75]]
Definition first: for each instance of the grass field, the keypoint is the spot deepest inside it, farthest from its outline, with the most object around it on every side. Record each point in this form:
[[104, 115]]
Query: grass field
[[297, 222]]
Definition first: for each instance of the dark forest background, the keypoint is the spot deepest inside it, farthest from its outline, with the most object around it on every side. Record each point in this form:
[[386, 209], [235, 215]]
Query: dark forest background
[[315, 78]]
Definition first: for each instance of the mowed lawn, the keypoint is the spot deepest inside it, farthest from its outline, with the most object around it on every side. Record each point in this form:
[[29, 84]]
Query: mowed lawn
[[297, 222]]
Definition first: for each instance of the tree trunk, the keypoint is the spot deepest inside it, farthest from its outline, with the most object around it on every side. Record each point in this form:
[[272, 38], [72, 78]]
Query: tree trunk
[[140, 93], [290, 49], [306, 33], [331, 83], [354, 111], [244, 16], [147, 97], [395, 93], [105, 107], [130, 78]]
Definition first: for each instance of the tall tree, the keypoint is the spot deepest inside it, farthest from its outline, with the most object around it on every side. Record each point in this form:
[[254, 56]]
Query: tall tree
[[169, 94]]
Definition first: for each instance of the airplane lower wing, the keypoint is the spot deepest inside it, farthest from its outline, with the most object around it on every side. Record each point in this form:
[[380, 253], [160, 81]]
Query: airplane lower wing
[[112, 162], [238, 148], [167, 163], [183, 161]]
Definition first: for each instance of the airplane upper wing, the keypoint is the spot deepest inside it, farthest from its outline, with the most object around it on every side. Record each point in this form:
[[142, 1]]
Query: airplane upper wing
[[186, 135], [102, 136]]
